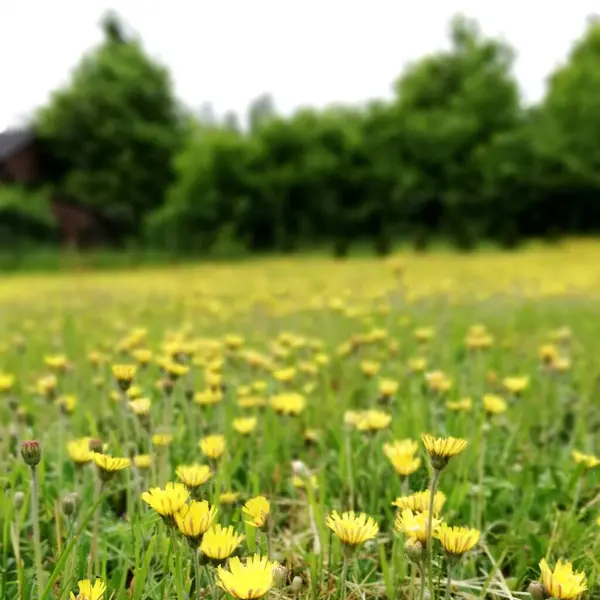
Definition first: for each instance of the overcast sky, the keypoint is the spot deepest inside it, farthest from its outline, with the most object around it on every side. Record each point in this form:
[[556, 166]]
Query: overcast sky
[[302, 51]]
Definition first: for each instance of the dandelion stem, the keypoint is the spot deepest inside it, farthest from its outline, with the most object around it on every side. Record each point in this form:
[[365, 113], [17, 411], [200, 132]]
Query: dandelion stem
[[421, 581], [349, 468], [448, 579], [577, 494], [434, 483], [480, 475], [344, 578], [197, 573], [35, 518], [94, 555]]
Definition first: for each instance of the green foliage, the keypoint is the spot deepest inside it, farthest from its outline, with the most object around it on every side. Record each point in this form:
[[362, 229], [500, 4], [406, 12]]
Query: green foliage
[[116, 125]]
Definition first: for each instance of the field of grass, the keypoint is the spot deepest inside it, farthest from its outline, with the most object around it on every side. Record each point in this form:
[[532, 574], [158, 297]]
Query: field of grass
[[306, 371]]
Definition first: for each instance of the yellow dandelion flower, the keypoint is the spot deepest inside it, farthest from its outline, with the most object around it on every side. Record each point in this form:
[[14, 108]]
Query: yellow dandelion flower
[[405, 464], [290, 403], [143, 356], [218, 543], [370, 368], [87, 591], [58, 362], [6, 382], [140, 406], [142, 461], [494, 405], [208, 397], [79, 451], [247, 581], [257, 509], [305, 482], [373, 420], [419, 502], [562, 583], [213, 446], [252, 402], [589, 461], [406, 446], [124, 375], [166, 502], [67, 403], [285, 375], [441, 450], [387, 387], [417, 364], [162, 439], [109, 465], [414, 525], [195, 519], [352, 529], [229, 497], [515, 385], [134, 392], [457, 540], [244, 425], [193, 475], [462, 405]]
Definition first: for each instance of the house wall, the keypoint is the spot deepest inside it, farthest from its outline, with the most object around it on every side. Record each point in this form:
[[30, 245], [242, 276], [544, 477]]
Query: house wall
[[22, 167]]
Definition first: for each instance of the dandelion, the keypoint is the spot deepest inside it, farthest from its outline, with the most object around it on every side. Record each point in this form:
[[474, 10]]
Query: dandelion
[[515, 385], [229, 497], [219, 543], [143, 356], [166, 502], [162, 439], [462, 405], [373, 420], [79, 451], [290, 404], [416, 525], [387, 388], [562, 583], [193, 520], [494, 405], [142, 461], [87, 591], [305, 482], [208, 397], [247, 581], [419, 502], [213, 446], [140, 407], [244, 425], [6, 382], [193, 475], [370, 368], [124, 375], [441, 450], [352, 529], [404, 464], [108, 466], [252, 402], [588, 461], [257, 509], [285, 375]]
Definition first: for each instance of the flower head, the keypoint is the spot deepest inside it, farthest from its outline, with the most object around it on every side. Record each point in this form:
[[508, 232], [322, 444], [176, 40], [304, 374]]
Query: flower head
[[195, 519], [441, 450], [373, 420], [563, 583], [290, 403], [124, 375], [166, 502], [257, 509], [140, 406], [193, 475], [79, 450], [162, 439], [494, 405], [247, 581], [213, 446], [589, 461], [218, 543], [352, 529], [142, 461], [229, 497], [87, 591], [457, 540], [6, 382], [244, 425], [414, 525], [109, 465], [419, 502]]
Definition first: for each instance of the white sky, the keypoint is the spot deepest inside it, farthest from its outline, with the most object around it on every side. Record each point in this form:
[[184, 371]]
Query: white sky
[[302, 51]]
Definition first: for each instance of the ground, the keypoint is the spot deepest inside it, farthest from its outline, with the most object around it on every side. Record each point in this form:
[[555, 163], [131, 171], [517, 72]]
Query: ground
[[498, 349]]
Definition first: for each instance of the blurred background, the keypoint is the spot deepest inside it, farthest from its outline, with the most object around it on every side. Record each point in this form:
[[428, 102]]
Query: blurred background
[[134, 133]]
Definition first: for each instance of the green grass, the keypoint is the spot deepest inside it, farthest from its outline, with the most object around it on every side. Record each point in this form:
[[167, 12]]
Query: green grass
[[516, 478]]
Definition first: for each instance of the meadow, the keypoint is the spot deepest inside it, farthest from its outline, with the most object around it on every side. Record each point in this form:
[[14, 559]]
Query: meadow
[[162, 427]]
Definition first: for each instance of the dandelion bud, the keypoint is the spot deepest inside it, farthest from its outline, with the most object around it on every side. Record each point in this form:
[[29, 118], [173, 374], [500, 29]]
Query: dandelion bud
[[31, 452], [189, 394], [167, 386], [415, 550], [297, 584], [279, 574], [96, 446], [69, 504], [18, 500], [536, 589], [300, 469]]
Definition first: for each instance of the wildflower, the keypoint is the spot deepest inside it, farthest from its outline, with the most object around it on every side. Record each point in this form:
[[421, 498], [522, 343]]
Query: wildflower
[[142, 356], [424, 334], [370, 368], [6, 382], [406, 446], [373, 420], [124, 375], [108, 465], [140, 407], [548, 353], [247, 581], [415, 525], [58, 362], [244, 425], [175, 370], [229, 497], [162, 439], [387, 388], [79, 451], [311, 436], [166, 502], [252, 402], [134, 392], [208, 397], [352, 529], [405, 464], [87, 591], [417, 364], [66, 403], [31, 452], [285, 375], [213, 446], [589, 461], [419, 502], [218, 543], [562, 583], [438, 381], [195, 519], [457, 540], [305, 482], [142, 461], [441, 450], [193, 475], [494, 405], [234, 342], [257, 509], [515, 385], [46, 386], [462, 405], [290, 403]]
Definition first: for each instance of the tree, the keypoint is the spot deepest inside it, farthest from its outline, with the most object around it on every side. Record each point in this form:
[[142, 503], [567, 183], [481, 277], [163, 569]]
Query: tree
[[117, 126]]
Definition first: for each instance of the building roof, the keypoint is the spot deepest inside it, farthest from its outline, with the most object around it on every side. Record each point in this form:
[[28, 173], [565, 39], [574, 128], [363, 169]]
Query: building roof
[[13, 140]]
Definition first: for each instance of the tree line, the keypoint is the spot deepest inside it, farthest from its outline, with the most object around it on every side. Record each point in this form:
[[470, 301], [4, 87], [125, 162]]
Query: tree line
[[455, 155]]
